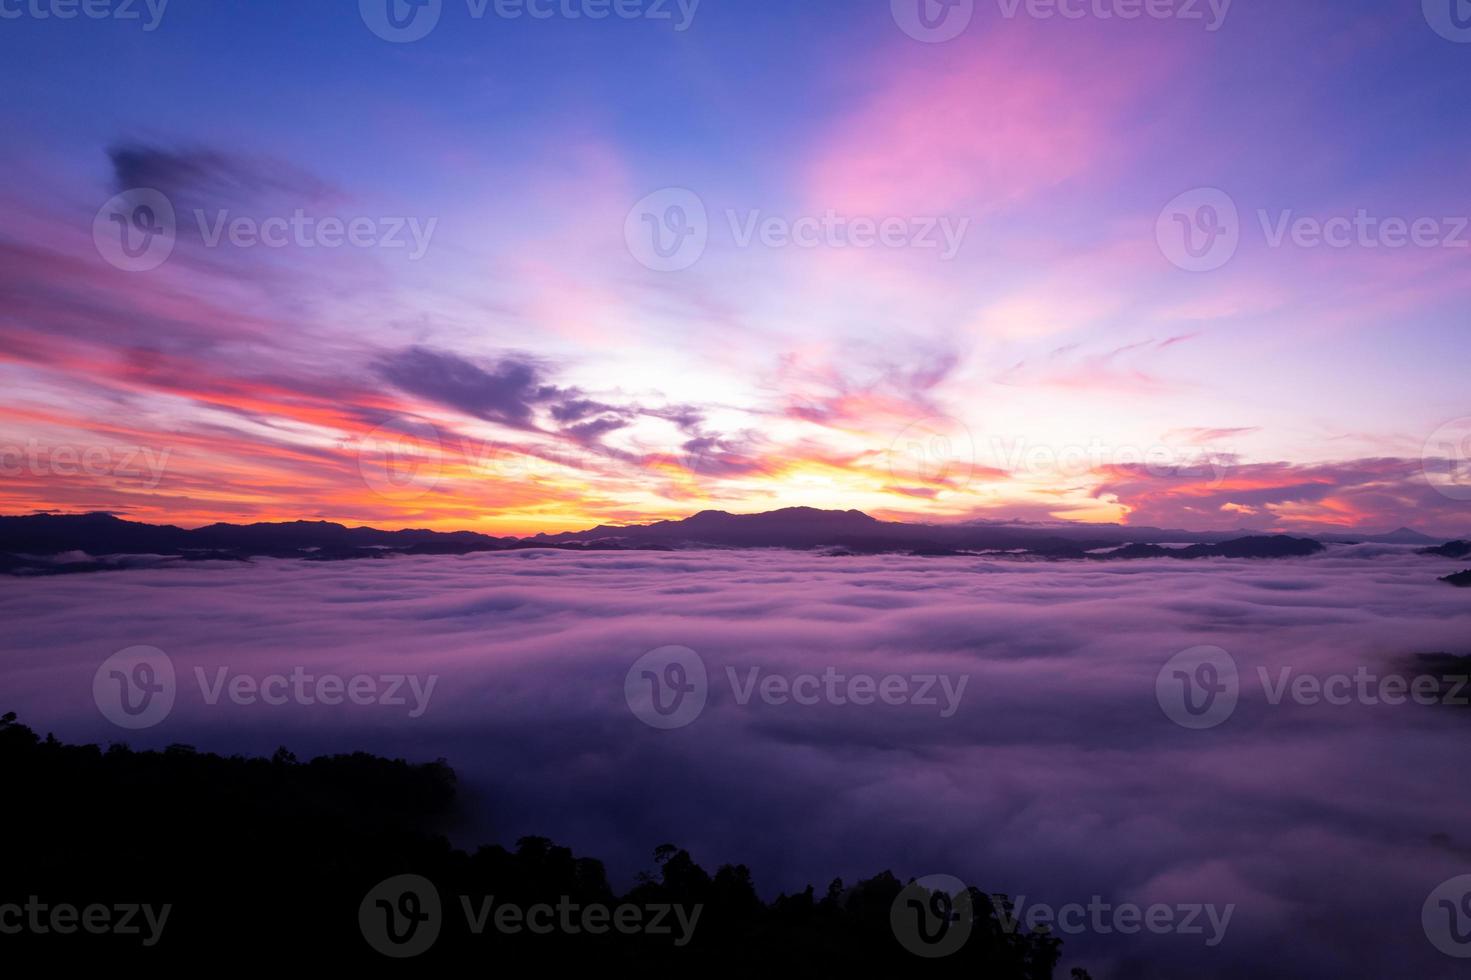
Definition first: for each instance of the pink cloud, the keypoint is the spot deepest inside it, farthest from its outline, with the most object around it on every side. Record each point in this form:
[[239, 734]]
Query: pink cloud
[[979, 128], [1365, 495]]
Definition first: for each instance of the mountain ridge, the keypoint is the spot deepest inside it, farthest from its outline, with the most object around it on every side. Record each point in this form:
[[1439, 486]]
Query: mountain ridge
[[59, 543]]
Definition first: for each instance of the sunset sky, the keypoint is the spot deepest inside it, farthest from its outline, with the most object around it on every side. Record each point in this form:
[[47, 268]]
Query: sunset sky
[[530, 371]]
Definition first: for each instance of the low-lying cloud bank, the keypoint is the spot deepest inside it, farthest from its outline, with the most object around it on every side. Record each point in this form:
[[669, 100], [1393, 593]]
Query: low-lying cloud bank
[[1052, 773]]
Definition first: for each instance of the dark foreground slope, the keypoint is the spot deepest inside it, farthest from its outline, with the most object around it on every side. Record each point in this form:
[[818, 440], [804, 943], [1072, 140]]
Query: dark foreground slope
[[281, 862], [1451, 549]]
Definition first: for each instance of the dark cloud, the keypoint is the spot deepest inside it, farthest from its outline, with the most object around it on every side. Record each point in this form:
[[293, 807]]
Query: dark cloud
[[578, 409], [594, 430], [685, 417], [515, 389], [507, 392], [724, 457], [209, 176]]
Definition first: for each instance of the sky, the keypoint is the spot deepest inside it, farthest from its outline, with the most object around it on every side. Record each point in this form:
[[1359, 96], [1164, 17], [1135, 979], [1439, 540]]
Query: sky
[[1201, 267]]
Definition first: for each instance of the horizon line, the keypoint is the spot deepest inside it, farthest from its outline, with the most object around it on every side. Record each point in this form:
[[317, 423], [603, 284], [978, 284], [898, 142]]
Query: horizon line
[[1075, 525]]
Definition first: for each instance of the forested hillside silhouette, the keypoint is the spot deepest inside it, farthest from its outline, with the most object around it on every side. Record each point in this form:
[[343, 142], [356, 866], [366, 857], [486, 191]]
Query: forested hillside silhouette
[[272, 861]]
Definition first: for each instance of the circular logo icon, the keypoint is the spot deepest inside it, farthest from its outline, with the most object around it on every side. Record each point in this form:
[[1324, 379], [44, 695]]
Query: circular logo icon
[[1447, 459], [937, 451], [401, 460], [1451, 19], [1198, 688], [933, 21], [401, 917], [136, 231], [1200, 230], [668, 230], [1446, 917], [667, 688], [134, 688], [932, 917], [401, 21]]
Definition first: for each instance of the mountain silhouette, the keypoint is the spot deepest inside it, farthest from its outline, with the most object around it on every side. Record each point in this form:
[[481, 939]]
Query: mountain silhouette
[[1403, 535], [1451, 549], [58, 544], [1260, 546]]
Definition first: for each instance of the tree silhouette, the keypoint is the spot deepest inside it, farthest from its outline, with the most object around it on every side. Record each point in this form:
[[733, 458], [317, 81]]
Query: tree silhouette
[[268, 860]]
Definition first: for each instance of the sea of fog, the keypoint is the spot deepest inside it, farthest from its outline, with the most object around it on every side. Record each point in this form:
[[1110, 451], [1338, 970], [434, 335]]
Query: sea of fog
[[1006, 723]]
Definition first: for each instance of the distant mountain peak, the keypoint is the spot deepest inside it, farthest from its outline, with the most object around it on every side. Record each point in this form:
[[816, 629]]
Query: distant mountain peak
[[797, 528], [1406, 535]]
